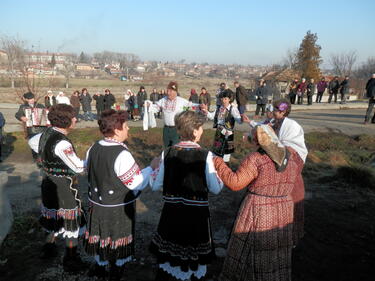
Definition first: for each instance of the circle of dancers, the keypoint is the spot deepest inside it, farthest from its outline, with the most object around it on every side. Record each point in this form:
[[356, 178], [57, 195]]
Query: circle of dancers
[[269, 222]]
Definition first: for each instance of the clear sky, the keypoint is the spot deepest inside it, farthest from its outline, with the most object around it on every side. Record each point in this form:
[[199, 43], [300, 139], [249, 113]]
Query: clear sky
[[237, 31]]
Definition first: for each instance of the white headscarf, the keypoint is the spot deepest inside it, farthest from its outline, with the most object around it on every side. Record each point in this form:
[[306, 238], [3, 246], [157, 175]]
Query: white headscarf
[[291, 134]]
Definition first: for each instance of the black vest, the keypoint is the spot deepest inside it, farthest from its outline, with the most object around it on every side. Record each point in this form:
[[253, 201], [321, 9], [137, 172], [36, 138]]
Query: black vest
[[49, 161], [104, 186], [229, 119], [184, 173]]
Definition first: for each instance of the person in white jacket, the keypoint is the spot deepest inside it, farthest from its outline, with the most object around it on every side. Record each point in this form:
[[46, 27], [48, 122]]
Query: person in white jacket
[[62, 99]]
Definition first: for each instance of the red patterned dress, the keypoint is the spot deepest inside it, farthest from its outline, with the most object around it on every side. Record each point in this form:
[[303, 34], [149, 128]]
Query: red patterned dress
[[261, 243]]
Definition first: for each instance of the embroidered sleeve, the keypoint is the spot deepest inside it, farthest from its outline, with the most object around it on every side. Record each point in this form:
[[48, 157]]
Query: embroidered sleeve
[[128, 171], [157, 176], [245, 174], [211, 115], [156, 107], [64, 150], [214, 183], [34, 142]]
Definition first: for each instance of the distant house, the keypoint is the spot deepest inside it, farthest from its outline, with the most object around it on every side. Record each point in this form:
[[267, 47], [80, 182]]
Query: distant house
[[47, 57], [169, 72], [281, 79], [84, 67]]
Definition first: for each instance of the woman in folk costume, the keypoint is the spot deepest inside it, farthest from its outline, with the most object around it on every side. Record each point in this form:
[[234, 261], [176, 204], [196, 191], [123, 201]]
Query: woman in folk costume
[[183, 241], [224, 120], [115, 180], [291, 134], [261, 242], [62, 213]]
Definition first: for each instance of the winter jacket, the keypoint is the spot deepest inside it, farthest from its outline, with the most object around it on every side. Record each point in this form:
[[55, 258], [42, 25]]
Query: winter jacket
[[99, 102], [194, 98], [310, 89], [241, 95], [86, 102], [108, 100], [370, 88], [322, 85], [261, 94], [334, 86], [74, 101], [344, 87], [205, 99]]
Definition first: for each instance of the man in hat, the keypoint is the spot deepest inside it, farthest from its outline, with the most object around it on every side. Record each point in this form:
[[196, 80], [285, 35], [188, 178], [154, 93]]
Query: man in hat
[[171, 105], [29, 103]]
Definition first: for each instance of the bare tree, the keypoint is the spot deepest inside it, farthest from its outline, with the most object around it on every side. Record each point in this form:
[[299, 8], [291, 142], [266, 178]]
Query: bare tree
[[343, 63], [366, 69], [67, 71], [14, 48], [290, 59]]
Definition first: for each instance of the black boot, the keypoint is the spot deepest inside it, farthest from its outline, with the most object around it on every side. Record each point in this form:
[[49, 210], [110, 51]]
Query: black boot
[[98, 271], [72, 261], [115, 272], [49, 250]]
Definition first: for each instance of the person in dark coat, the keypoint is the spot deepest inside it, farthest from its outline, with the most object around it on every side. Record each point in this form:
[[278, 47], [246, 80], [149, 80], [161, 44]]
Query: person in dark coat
[[261, 94], [74, 101], [241, 97], [194, 98], [108, 100], [370, 93], [142, 96], [293, 91], [333, 89], [301, 89], [50, 99], [85, 100], [2, 124], [344, 89], [321, 87], [205, 98], [310, 88], [154, 97], [99, 98], [29, 103]]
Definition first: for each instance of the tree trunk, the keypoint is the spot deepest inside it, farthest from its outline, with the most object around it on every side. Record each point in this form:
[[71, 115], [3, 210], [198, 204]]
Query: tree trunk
[[12, 82]]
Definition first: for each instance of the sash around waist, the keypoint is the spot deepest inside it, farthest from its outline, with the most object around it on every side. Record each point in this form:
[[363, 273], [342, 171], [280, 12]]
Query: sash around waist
[[182, 200], [114, 205], [268, 196]]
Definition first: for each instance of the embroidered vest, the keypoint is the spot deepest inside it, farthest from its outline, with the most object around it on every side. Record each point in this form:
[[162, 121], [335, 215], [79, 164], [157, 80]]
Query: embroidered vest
[[229, 120], [184, 175], [49, 161]]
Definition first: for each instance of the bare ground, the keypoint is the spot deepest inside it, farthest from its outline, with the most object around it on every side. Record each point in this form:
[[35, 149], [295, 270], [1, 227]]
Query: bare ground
[[339, 227]]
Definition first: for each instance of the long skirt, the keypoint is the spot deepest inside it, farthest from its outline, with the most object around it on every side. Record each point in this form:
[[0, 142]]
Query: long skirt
[[183, 241], [223, 144], [260, 247], [109, 236], [298, 196], [61, 210]]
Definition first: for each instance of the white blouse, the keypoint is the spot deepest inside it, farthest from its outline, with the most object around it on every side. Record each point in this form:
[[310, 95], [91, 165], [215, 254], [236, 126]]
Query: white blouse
[[214, 183], [64, 150], [126, 169], [171, 108], [221, 116]]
